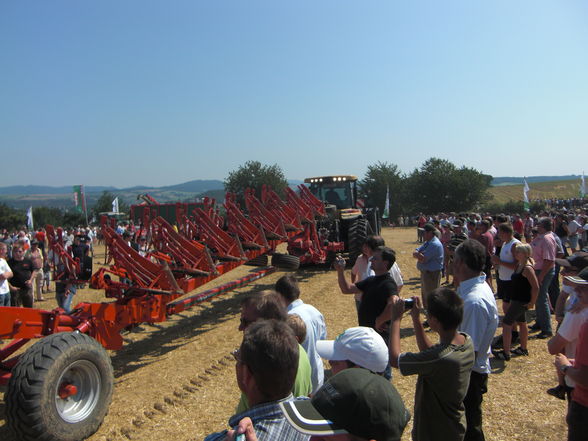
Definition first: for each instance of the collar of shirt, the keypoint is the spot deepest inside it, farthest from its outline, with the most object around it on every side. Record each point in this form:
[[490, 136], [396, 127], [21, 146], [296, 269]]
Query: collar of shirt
[[261, 411], [294, 304], [466, 285]]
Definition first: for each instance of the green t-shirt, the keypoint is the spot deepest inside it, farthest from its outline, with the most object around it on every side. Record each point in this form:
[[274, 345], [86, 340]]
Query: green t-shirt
[[444, 376], [302, 383]]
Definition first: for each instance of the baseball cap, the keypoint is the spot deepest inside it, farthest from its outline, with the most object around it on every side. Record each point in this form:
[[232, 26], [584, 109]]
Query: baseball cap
[[457, 223], [577, 261], [580, 279], [361, 345], [354, 401], [429, 227]]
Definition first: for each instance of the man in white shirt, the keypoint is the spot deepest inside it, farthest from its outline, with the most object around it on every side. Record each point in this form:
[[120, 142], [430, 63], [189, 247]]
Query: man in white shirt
[[480, 320], [506, 263], [5, 274]]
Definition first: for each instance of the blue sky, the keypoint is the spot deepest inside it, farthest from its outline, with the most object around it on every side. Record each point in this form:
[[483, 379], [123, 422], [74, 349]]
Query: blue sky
[[156, 93]]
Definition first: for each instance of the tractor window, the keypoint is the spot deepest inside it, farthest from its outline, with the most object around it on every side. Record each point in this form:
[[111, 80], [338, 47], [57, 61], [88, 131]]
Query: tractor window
[[338, 194]]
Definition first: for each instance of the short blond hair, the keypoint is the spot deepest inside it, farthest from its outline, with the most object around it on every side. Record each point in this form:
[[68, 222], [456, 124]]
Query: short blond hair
[[298, 326], [527, 250]]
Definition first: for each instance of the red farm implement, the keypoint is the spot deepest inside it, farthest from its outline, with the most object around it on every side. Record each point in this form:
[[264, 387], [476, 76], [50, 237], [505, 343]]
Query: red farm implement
[[60, 387]]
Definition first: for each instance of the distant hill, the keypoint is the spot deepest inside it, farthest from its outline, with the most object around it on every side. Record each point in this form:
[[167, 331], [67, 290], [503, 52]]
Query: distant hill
[[514, 180], [45, 189], [537, 190]]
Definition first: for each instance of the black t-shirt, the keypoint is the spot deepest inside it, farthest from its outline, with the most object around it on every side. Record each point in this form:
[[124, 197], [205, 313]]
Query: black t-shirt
[[21, 270], [376, 292]]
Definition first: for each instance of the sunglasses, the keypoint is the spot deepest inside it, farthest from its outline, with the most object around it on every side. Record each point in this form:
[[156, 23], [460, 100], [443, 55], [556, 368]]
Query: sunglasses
[[237, 355]]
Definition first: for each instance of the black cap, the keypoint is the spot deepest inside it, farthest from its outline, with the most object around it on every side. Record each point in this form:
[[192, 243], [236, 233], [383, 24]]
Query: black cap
[[354, 401]]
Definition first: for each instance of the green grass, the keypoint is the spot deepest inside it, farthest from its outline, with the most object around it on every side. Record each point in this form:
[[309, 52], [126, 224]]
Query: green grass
[[538, 190]]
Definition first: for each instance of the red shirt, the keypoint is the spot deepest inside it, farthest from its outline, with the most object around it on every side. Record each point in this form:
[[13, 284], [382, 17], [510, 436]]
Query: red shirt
[[580, 393], [518, 226]]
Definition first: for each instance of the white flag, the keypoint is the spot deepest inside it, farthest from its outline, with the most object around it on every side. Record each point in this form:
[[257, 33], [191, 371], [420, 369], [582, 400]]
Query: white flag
[[525, 194], [386, 213], [583, 187], [115, 205], [30, 219]]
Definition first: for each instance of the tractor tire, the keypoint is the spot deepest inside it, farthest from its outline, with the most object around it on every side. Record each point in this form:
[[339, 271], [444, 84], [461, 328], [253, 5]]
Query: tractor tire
[[60, 389], [285, 261], [357, 235], [261, 260]]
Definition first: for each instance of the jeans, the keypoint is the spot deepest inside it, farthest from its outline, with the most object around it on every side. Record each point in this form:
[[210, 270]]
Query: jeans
[[5, 299], [542, 305], [473, 406], [64, 301]]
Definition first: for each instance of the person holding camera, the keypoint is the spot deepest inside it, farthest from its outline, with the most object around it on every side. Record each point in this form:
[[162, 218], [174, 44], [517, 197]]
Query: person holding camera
[[443, 369], [374, 310]]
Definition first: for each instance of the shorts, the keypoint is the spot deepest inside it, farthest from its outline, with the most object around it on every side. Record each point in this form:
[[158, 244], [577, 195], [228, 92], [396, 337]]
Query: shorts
[[504, 289], [573, 241], [516, 313]]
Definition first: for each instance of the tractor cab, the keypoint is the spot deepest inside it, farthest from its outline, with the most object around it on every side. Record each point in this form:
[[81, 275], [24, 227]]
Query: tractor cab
[[340, 190]]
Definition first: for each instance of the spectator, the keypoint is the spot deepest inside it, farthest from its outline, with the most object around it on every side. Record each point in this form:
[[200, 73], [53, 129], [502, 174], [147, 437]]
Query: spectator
[[429, 258], [316, 329], [544, 254], [443, 369], [456, 239], [36, 256], [577, 370], [566, 338], [523, 295], [266, 369], [21, 283], [529, 224], [487, 240], [573, 229], [506, 263], [5, 274], [360, 347], [480, 320], [355, 404], [268, 305]]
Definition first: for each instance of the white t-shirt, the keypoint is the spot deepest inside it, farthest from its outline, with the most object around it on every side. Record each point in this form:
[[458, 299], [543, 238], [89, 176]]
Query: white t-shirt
[[573, 227], [570, 330], [361, 269], [4, 289], [504, 272]]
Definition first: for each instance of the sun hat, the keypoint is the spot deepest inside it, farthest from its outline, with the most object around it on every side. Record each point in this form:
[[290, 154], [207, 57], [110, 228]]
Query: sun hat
[[580, 279], [361, 345], [354, 401]]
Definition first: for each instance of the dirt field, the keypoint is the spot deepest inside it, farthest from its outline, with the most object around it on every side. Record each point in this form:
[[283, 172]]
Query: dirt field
[[176, 380]]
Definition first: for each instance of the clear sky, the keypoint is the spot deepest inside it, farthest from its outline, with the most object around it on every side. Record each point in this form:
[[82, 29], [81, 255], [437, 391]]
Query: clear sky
[[141, 92]]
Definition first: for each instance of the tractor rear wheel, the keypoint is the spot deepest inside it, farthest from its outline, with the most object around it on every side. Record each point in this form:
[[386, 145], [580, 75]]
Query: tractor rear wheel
[[261, 260], [60, 389], [285, 261], [357, 235]]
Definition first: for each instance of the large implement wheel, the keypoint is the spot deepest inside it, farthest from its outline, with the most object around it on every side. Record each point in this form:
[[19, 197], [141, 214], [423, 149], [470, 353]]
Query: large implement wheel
[[60, 389], [285, 261], [357, 235]]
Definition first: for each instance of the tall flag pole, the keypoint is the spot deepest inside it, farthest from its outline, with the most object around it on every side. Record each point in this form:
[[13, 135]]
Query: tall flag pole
[[583, 187], [386, 212], [115, 205], [525, 194], [30, 224]]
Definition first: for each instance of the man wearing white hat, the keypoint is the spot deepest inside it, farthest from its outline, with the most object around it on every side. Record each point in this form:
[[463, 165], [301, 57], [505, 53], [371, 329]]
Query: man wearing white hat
[[356, 347]]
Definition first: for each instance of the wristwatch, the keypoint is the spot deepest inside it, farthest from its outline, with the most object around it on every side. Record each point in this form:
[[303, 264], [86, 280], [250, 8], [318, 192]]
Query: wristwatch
[[565, 368]]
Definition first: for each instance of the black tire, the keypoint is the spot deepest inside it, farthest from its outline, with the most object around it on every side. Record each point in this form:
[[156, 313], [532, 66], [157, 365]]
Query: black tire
[[261, 260], [357, 235], [34, 409], [285, 261]]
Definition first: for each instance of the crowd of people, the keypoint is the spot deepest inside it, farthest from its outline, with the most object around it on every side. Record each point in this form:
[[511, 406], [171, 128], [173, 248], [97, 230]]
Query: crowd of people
[[466, 263]]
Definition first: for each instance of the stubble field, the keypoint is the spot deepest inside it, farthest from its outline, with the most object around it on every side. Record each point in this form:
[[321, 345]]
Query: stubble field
[[175, 380]]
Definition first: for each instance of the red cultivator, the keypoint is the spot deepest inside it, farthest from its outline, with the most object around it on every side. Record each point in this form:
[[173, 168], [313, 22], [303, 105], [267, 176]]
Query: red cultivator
[[60, 387]]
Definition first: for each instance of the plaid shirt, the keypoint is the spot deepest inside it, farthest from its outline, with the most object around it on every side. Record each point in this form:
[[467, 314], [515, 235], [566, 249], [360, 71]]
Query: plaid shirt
[[269, 423]]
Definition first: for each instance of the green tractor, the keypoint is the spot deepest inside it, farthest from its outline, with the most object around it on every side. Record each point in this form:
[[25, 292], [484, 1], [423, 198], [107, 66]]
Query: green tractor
[[347, 221]]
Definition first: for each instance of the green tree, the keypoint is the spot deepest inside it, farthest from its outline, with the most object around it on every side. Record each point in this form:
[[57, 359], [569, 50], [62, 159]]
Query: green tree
[[104, 204], [438, 185], [378, 178], [47, 215], [10, 218], [254, 174]]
